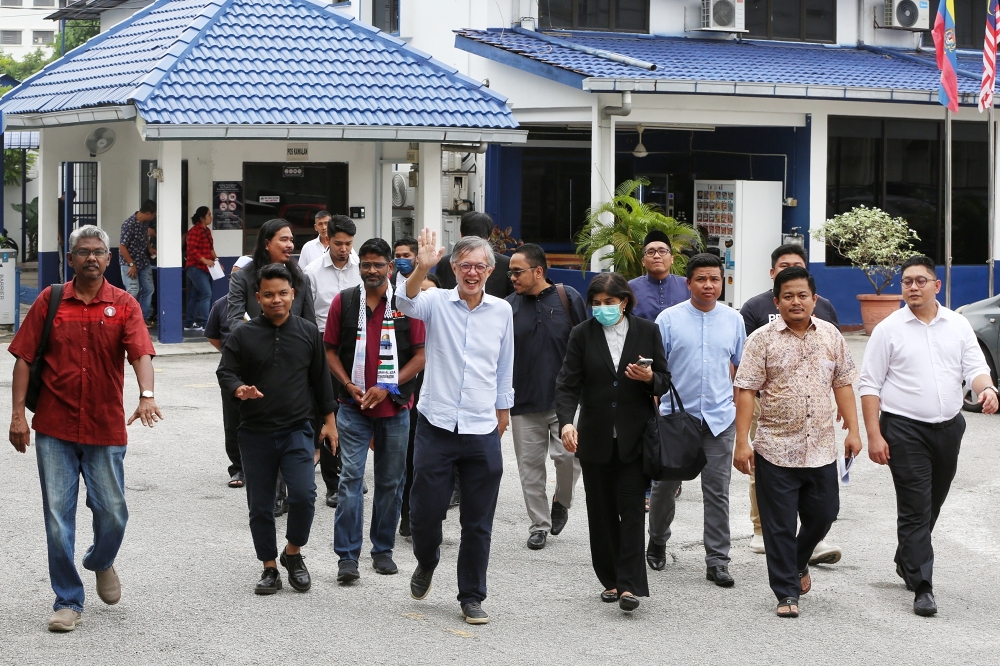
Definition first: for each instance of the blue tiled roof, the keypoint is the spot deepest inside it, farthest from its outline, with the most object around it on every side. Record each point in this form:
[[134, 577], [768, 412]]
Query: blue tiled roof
[[235, 62], [701, 60]]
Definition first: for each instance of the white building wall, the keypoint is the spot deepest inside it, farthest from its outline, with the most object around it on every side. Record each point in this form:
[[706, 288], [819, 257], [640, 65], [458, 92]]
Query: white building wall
[[27, 20]]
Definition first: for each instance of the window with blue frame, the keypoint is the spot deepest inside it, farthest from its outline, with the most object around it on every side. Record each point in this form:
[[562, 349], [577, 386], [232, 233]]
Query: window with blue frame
[[897, 165], [792, 20], [616, 15]]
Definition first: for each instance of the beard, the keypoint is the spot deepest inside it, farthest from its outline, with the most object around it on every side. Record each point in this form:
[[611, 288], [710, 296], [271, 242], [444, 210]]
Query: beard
[[375, 282]]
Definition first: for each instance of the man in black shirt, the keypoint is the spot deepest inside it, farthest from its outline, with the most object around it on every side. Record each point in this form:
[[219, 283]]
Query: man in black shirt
[[498, 283], [758, 312], [543, 318], [276, 365]]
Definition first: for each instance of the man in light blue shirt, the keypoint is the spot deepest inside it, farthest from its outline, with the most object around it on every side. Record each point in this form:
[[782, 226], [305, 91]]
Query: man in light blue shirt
[[464, 409], [703, 341]]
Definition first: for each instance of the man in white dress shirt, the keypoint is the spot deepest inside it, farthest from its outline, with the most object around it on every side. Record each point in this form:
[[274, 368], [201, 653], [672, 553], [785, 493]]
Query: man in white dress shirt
[[913, 370], [315, 248], [336, 270]]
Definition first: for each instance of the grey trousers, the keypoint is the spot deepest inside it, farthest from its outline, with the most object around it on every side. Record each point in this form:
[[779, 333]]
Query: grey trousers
[[715, 489], [535, 437]]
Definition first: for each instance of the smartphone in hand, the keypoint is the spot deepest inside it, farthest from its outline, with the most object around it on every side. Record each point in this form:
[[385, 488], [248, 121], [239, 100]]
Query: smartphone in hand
[[644, 362]]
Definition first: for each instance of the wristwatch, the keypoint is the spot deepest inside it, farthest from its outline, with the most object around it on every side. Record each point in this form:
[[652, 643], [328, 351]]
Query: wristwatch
[[131, 264], [994, 389], [146, 394]]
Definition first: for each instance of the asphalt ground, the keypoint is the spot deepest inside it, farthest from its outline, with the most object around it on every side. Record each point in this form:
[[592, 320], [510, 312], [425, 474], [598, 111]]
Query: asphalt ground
[[188, 569]]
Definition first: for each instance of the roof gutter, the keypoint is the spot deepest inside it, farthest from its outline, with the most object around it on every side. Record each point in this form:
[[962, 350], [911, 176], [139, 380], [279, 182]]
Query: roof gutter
[[623, 110], [599, 53], [914, 59], [99, 114], [444, 135], [479, 148]]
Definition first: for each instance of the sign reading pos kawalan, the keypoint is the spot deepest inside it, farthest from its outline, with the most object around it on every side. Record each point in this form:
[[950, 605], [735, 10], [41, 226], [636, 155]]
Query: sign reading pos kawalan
[[297, 152]]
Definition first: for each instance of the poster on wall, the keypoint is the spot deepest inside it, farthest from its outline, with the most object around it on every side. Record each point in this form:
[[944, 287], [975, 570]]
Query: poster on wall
[[227, 204]]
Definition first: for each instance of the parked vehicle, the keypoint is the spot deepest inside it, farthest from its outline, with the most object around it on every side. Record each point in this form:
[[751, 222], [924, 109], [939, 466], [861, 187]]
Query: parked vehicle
[[985, 319]]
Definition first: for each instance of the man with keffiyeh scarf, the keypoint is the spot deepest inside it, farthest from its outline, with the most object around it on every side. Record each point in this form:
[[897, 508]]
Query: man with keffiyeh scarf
[[375, 354]]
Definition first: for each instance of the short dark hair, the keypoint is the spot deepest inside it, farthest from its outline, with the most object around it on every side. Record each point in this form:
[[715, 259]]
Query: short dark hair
[[148, 206], [408, 241], [433, 278], [321, 215], [789, 248], [703, 260], [793, 273], [476, 223], [274, 272], [341, 223], [612, 284], [534, 255], [919, 260], [376, 246]]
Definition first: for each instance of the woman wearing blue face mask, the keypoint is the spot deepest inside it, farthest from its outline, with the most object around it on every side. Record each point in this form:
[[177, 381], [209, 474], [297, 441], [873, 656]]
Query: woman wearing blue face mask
[[602, 374]]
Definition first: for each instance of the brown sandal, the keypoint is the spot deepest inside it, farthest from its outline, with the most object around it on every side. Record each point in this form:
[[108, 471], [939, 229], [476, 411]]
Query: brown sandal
[[805, 581], [790, 606]]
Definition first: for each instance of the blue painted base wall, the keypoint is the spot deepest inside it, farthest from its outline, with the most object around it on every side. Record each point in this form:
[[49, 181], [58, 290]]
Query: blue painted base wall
[[169, 297], [842, 284], [573, 278], [48, 269]]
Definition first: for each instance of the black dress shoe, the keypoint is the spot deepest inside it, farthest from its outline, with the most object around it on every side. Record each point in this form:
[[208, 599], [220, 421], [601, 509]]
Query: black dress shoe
[[331, 499], [537, 540], [269, 583], [719, 574], [924, 604], [298, 575], [628, 602], [280, 506], [899, 572], [420, 582], [656, 556], [560, 515], [347, 571]]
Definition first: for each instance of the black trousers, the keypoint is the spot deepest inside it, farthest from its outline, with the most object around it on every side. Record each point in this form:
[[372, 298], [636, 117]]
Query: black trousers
[[923, 459], [616, 515], [404, 513], [231, 424], [264, 454], [437, 456], [812, 495]]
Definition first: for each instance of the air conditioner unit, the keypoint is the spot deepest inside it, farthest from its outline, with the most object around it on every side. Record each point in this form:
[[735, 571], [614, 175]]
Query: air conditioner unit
[[907, 14], [723, 15]]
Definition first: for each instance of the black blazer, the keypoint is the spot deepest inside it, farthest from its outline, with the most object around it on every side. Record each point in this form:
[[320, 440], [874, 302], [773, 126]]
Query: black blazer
[[242, 298], [497, 284], [610, 401]]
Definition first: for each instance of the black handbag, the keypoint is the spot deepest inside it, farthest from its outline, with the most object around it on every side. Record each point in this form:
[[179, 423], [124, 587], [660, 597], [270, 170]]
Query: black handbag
[[671, 446], [35, 376]]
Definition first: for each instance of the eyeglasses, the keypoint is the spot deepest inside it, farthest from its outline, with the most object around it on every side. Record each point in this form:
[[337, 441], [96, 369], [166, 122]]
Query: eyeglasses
[[472, 268], [377, 265], [921, 282], [652, 252], [83, 254], [516, 272]]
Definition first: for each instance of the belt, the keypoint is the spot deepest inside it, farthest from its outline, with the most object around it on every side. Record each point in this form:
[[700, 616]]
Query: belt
[[935, 426]]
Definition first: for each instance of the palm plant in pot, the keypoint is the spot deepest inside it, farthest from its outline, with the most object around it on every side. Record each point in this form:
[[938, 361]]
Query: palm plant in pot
[[878, 244], [620, 240]]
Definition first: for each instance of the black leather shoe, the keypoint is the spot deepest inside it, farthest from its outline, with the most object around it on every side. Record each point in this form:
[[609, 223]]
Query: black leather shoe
[[280, 506], [924, 604], [560, 515], [474, 613], [269, 583], [719, 574], [404, 525], [420, 582], [537, 540], [656, 556], [899, 572], [347, 571], [609, 596], [298, 575], [331, 499], [628, 602]]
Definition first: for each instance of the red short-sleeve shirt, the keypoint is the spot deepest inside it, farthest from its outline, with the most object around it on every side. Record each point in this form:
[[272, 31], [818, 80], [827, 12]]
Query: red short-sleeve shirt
[[84, 368], [331, 336]]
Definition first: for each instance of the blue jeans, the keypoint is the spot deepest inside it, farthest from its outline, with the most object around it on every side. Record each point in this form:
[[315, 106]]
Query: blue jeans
[[391, 435], [60, 464], [141, 288], [199, 296]]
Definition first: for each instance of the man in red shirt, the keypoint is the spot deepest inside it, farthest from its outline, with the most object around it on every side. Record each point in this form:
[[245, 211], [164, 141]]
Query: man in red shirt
[[80, 419], [375, 353]]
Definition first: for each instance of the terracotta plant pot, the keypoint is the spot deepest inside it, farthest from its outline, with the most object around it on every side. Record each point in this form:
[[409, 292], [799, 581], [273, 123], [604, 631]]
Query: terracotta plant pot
[[875, 308]]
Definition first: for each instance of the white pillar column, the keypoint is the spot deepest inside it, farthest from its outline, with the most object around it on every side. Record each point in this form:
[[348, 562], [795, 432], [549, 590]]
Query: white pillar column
[[428, 213], [602, 167], [169, 260], [817, 184], [49, 252]]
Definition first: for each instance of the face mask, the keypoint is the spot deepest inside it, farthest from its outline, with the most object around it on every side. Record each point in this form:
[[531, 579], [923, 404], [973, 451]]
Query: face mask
[[608, 315], [404, 266]]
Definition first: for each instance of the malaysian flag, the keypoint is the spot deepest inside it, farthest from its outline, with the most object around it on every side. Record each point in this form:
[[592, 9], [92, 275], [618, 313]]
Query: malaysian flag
[[989, 58]]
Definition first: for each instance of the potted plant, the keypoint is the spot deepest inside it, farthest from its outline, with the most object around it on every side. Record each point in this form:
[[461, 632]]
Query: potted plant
[[620, 241], [877, 243]]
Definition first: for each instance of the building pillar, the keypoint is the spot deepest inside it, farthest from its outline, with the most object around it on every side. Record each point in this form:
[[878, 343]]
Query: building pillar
[[428, 209], [169, 260], [49, 252], [817, 185], [602, 169]]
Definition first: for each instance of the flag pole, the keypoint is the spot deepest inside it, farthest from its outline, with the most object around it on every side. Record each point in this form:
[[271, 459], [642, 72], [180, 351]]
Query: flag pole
[[991, 194], [947, 207]]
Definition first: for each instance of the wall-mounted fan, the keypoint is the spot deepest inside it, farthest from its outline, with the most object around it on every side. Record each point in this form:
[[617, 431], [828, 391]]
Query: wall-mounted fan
[[398, 190], [99, 141]]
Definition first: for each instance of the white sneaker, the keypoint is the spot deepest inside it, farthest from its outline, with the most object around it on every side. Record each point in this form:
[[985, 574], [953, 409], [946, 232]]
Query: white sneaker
[[824, 553], [757, 544]]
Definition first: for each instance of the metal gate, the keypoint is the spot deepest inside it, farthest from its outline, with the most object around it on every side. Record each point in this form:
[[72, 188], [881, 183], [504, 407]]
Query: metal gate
[[78, 202]]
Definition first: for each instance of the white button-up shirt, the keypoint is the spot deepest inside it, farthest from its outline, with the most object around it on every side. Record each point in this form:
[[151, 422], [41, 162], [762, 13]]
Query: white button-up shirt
[[916, 369], [469, 354], [312, 251], [326, 281]]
